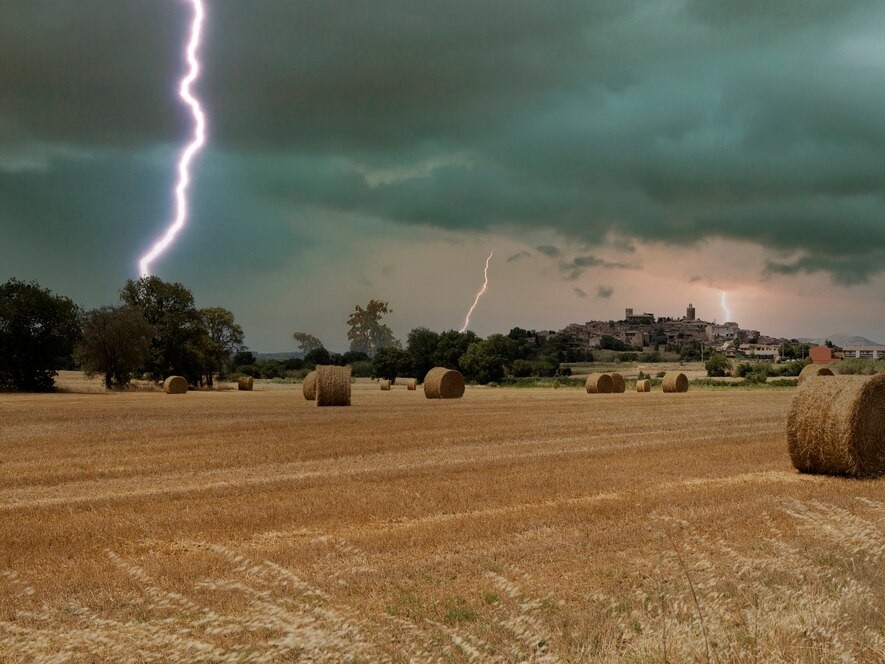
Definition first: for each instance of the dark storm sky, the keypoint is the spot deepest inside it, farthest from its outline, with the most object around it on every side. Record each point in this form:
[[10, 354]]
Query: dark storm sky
[[619, 153]]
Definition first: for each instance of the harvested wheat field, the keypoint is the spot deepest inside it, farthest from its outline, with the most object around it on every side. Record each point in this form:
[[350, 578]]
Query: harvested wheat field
[[510, 525]]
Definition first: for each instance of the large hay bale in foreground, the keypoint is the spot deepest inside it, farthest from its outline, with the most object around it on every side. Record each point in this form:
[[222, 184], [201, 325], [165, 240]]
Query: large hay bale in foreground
[[675, 381], [412, 384], [618, 384], [245, 383], [814, 370], [385, 385], [643, 385], [309, 387], [442, 383], [599, 383], [333, 385], [175, 385], [837, 426]]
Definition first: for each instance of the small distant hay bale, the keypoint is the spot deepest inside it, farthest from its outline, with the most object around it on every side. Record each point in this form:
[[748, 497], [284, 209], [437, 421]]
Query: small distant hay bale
[[385, 385], [837, 426], [412, 384], [599, 383], [332, 385], [618, 384], [442, 383], [245, 383], [309, 387], [675, 381], [175, 385], [814, 370], [643, 385]]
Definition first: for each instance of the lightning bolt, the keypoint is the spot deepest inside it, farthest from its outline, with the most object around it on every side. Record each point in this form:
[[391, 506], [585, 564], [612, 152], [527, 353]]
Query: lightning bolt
[[190, 151], [725, 307], [485, 287]]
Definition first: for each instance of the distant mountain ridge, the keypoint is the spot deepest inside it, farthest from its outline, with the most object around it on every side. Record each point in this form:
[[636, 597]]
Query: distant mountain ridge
[[291, 355], [842, 340]]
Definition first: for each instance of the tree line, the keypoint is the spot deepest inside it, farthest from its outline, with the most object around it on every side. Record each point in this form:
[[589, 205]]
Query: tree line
[[156, 330]]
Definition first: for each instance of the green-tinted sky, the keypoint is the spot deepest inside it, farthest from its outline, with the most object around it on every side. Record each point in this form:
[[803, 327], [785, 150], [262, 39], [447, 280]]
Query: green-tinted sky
[[613, 153]]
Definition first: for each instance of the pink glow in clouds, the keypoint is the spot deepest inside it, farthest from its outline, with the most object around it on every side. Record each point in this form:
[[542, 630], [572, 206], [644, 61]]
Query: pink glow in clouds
[[196, 144]]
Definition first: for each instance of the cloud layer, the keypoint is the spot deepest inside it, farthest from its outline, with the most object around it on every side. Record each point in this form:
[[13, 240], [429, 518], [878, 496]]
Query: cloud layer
[[667, 123]]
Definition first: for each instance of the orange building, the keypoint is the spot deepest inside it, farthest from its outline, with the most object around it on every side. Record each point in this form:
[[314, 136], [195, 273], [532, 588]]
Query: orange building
[[821, 355]]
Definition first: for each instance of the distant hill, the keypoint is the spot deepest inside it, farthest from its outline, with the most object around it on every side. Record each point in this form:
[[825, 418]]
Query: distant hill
[[291, 355], [842, 340]]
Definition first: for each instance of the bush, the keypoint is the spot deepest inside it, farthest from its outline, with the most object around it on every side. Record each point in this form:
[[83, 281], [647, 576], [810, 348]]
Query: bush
[[756, 378], [718, 366], [362, 369], [860, 366]]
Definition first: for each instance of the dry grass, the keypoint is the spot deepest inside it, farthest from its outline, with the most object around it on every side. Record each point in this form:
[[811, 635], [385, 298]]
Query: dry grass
[[511, 525]]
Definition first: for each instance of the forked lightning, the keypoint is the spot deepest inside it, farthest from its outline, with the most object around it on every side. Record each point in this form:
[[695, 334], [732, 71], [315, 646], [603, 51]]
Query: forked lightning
[[191, 150]]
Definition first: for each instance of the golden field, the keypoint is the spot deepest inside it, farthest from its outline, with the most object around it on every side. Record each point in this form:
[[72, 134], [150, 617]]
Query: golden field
[[512, 525]]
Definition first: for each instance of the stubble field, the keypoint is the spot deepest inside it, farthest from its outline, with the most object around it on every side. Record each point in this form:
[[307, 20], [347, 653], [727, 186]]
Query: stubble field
[[512, 525]]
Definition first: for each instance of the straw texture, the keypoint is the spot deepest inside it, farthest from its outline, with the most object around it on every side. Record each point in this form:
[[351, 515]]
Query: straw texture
[[599, 383], [245, 383], [837, 426], [442, 383], [175, 385], [309, 387], [332, 385], [674, 381], [643, 385], [814, 370], [618, 384]]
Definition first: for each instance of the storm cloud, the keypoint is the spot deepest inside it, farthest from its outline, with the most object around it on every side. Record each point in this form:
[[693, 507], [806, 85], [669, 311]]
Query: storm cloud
[[665, 123]]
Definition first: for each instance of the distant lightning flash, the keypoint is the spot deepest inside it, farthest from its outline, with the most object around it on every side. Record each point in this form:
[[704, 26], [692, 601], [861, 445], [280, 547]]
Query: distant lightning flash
[[725, 308], [482, 290], [189, 152]]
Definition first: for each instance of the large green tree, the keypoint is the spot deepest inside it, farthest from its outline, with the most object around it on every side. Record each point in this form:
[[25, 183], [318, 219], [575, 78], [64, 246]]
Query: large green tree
[[451, 346], [224, 337], [490, 359], [38, 332], [180, 337], [306, 342], [421, 345], [116, 343], [367, 332], [390, 363]]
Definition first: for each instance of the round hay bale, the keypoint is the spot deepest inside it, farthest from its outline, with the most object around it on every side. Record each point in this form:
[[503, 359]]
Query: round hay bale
[[309, 387], [245, 383], [838, 426], [175, 385], [412, 384], [814, 370], [442, 383], [599, 383], [643, 385], [332, 385], [385, 385], [618, 384], [675, 381]]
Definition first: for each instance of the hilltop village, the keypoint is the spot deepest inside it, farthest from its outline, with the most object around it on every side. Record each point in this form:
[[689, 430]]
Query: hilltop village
[[649, 332]]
